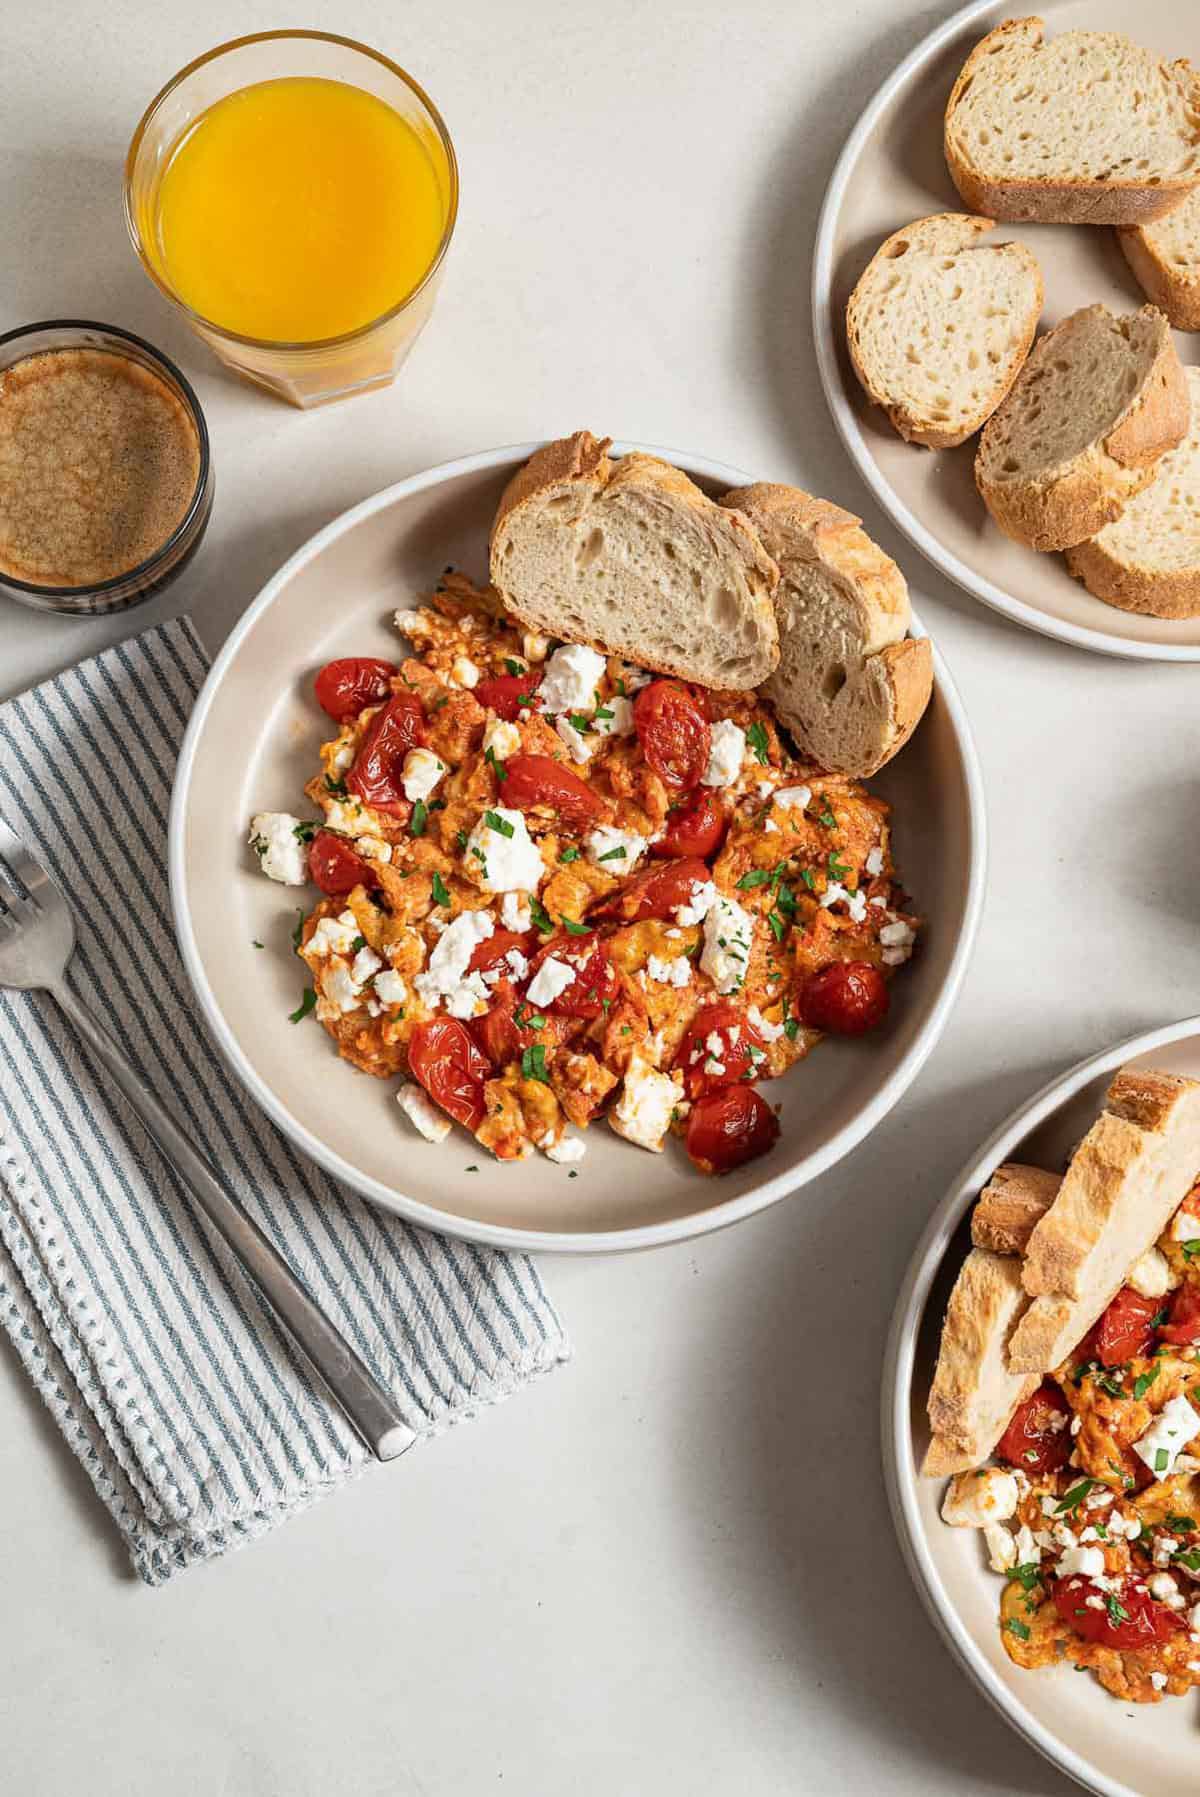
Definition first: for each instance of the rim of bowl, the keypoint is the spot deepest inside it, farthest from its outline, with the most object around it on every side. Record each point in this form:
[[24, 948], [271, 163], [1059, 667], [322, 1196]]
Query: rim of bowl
[[900, 1475], [316, 344], [650, 1235], [1080, 636], [98, 588]]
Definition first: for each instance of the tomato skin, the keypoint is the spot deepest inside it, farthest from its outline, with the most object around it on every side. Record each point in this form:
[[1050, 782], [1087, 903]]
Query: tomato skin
[[540, 780], [443, 1056], [335, 866], [696, 829], [727, 1128], [1145, 1624], [720, 1019], [655, 892], [1182, 1327], [1125, 1328], [375, 777], [1029, 1440], [596, 985], [503, 694], [490, 953], [501, 1038], [344, 687], [847, 998], [674, 732]]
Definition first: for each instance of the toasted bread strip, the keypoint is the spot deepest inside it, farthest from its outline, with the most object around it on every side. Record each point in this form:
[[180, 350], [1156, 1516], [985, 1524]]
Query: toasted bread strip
[[1014, 1199], [974, 1391], [1165, 257]]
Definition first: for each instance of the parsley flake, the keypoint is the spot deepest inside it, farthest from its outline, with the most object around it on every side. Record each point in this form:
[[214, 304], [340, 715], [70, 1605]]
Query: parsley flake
[[420, 816], [533, 1063], [612, 855], [1019, 1629], [307, 1003], [499, 824], [569, 855], [756, 736], [440, 895], [1075, 1497]]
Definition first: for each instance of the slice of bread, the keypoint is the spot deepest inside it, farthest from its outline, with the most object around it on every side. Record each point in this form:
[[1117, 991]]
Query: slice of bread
[[1097, 404], [1012, 1202], [940, 323], [1148, 560], [1086, 129], [850, 685], [974, 1390], [632, 558], [1165, 257]]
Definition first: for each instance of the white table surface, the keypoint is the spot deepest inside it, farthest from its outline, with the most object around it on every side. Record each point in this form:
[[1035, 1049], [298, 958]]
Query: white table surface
[[668, 1568]]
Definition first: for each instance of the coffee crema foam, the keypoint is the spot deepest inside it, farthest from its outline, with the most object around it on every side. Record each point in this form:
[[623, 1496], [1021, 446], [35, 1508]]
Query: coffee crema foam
[[99, 462]]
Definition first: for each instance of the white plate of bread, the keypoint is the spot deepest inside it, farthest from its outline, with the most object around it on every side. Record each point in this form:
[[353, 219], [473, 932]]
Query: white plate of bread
[[1006, 308], [1037, 1242], [657, 571]]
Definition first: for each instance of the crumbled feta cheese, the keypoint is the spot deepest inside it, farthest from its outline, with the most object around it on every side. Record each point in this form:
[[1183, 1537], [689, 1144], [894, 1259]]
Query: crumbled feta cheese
[[412, 624], [1158, 1680], [337, 990], [633, 678], [446, 979], [726, 753], [896, 939], [1027, 1546], [874, 863], [1162, 1586], [974, 1499], [578, 744], [1194, 1619], [281, 853], [515, 914], [343, 758], [567, 1149], [421, 1111], [770, 1032], [570, 680], [504, 863], [1085, 1560], [676, 972], [501, 737], [765, 788], [617, 850], [1164, 1547], [464, 672], [716, 1068], [771, 827], [551, 978], [621, 721], [642, 1114], [390, 987], [728, 938], [798, 796], [366, 962], [333, 935], [534, 646], [1185, 1225], [1001, 1548], [855, 902], [704, 897], [422, 771], [373, 848], [1171, 1430]]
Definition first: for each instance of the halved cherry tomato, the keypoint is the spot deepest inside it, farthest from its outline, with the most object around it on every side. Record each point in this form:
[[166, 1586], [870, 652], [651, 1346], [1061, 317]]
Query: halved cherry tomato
[[505, 1028], [655, 892], [540, 780], [1182, 1327], [847, 998], [673, 731], [489, 954], [504, 692], [343, 687], [1128, 1617], [596, 985], [697, 1055], [1036, 1439], [1125, 1328], [375, 777], [443, 1055], [335, 866], [729, 1127], [694, 829]]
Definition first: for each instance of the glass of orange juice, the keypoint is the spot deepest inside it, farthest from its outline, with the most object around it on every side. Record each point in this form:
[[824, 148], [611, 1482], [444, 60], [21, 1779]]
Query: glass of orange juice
[[294, 194]]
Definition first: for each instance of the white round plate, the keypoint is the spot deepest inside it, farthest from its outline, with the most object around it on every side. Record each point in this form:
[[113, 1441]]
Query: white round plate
[[891, 172], [251, 744], [1115, 1748]]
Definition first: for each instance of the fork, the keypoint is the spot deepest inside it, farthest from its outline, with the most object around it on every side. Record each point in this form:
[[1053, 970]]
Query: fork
[[37, 939]]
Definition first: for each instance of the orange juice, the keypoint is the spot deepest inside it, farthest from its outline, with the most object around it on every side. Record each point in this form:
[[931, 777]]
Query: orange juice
[[299, 209]]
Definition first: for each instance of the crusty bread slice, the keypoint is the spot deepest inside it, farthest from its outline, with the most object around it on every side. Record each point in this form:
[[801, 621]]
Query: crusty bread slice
[[1014, 1199], [1165, 257], [1086, 129], [631, 557], [1097, 404], [850, 686], [974, 1390], [1129, 1174], [940, 323], [1148, 559]]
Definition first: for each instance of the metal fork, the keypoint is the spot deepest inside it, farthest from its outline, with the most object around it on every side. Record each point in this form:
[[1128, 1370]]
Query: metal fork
[[37, 939]]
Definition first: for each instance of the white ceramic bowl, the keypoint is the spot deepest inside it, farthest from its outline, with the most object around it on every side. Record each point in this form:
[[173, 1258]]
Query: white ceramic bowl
[[252, 743], [1118, 1749]]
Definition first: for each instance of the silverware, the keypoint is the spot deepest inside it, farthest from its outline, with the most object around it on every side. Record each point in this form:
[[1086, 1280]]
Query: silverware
[[37, 939]]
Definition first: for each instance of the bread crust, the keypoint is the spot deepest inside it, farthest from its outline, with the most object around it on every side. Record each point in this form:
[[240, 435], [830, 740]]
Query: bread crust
[[974, 1391], [1156, 593], [1176, 292], [1050, 200], [1013, 1201]]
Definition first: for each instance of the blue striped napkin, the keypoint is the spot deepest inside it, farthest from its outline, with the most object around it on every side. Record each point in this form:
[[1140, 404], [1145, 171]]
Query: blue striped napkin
[[164, 1370]]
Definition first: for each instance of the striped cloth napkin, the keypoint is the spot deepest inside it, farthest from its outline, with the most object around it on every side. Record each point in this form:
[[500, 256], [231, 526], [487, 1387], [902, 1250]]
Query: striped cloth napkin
[[163, 1369]]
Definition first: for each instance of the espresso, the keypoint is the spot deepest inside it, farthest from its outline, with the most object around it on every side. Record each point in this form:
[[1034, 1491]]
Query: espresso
[[99, 462]]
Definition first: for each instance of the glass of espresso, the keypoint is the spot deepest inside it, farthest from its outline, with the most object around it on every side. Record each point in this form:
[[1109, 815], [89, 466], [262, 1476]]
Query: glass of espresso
[[106, 480]]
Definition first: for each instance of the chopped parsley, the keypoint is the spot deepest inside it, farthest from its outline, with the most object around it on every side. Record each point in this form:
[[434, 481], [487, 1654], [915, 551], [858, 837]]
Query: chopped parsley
[[533, 1063], [778, 926], [1117, 1612], [298, 932], [307, 1003], [471, 1169], [758, 876], [604, 711], [1075, 1497], [806, 874], [1189, 1557], [1019, 1629], [826, 816], [756, 736], [420, 816], [617, 854], [528, 1021], [498, 768], [440, 895], [338, 788], [514, 667], [499, 824], [837, 869], [578, 722], [569, 855], [1144, 1381], [255, 944], [1192, 1248], [359, 942], [1160, 1460], [539, 914], [1027, 1574], [460, 837], [572, 928], [304, 832], [1179, 1525]]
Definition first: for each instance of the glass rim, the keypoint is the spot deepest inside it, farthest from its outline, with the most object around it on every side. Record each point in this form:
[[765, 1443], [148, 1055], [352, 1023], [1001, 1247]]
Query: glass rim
[[282, 343], [98, 588]]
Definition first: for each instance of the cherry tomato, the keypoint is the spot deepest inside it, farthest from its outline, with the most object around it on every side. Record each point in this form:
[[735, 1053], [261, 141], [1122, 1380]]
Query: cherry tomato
[[335, 866], [505, 1029], [375, 777], [1182, 1327], [596, 985], [491, 953], [847, 998], [344, 687], [729, 1127], [673, 731], [540, 780], [697, 828], [1128, 1617], [655, 892], [696, 1054], [504, 692], [442, 1054], [1035, 1439], [1125, 1328]]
